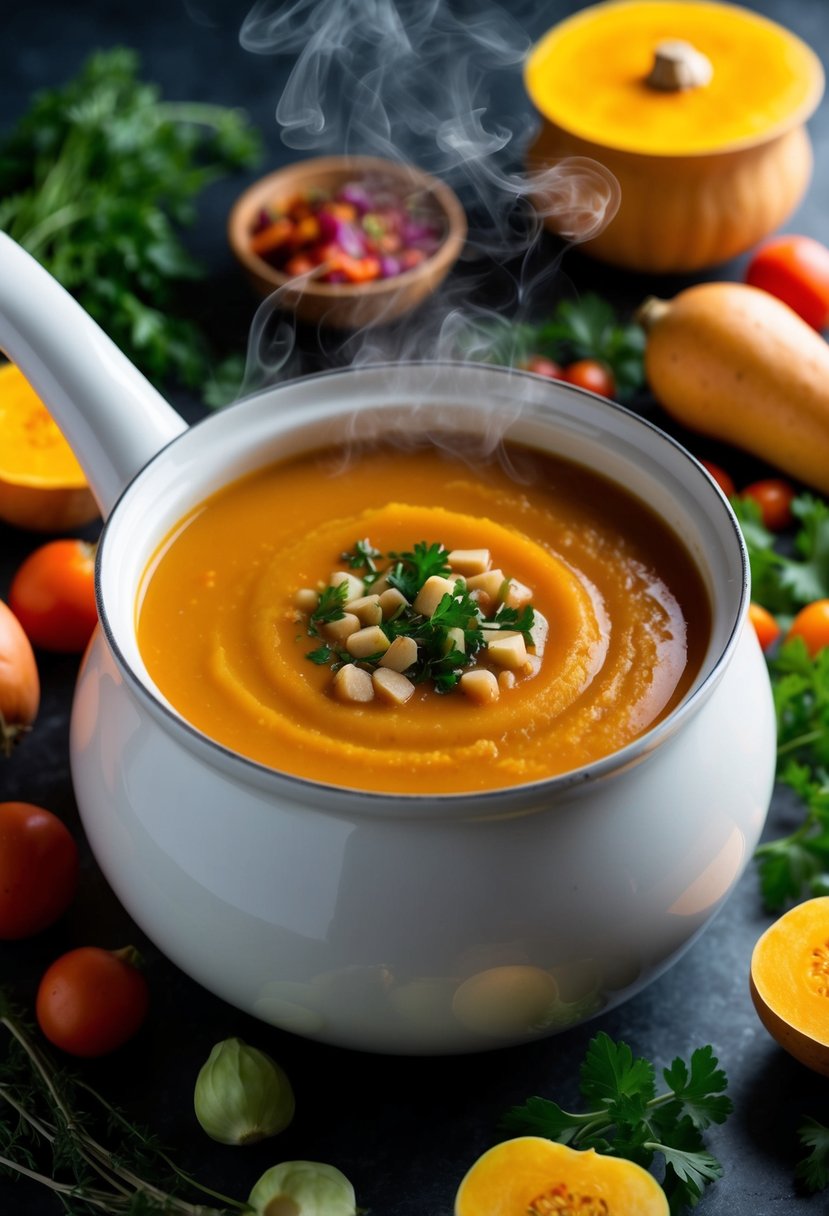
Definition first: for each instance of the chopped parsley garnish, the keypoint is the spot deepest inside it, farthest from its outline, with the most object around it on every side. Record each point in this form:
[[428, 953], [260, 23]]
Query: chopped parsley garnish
[[448, 640], [411, 570], [628, 1118], [362, 556], [331, 607]]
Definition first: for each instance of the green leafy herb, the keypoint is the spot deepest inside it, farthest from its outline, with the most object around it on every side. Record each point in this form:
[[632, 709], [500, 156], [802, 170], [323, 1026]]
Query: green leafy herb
[[813, 1170], [448, 639], [781, 582], [587, 328], [53, 1130], [627, 1117], [330, 607], [95, 181], [362, 556], [412, 569]]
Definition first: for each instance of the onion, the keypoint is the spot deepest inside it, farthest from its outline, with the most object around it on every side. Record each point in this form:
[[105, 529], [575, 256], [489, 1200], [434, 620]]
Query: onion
[[19, 681]]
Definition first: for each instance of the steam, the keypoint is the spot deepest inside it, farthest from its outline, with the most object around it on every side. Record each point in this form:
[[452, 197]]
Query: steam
[[418, 81]]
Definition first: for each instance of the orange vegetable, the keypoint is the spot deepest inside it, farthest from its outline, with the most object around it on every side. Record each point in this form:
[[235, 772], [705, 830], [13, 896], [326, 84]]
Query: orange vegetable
[[532, 1176], [765, 626], [812, 624], [38, 869], [19, 681], [53, 595], [789, 982], [796, 270], [91, 1001], [732, 362], [774, 497], [42, 486], [276, 234]]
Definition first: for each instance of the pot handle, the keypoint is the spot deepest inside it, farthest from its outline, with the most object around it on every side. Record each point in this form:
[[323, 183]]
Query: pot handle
[[112, 417]]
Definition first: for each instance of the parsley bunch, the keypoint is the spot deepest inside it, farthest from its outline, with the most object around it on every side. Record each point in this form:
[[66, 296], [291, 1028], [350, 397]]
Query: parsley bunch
[[626, 1117], [95, 181]]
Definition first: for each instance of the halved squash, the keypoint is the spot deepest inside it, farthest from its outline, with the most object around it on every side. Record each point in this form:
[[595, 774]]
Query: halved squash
[[42, 486], [790, 982], [531, 1176]]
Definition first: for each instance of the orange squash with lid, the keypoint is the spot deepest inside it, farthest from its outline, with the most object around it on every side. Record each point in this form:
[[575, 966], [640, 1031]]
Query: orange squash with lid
[[698, 109]]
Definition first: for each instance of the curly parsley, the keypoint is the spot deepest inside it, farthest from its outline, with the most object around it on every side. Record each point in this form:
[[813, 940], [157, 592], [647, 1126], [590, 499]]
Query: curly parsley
[[628, 1118]]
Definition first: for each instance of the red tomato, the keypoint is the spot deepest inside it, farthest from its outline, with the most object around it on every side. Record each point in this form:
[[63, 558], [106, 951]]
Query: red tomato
[[812, 624], [723, 479], [765, 626], [796, 270], [592, 375], [90, 1001], [774, 498], [53, 595], [542, 366], [38, 869]]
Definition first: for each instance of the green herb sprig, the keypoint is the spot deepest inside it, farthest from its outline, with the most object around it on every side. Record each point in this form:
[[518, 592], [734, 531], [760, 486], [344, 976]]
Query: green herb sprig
[[813, 1169], [627, 1117], [97, 179], [53, 1131]]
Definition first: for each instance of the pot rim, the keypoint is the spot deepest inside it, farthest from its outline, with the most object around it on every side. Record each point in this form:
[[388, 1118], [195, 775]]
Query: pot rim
[[328, 797]]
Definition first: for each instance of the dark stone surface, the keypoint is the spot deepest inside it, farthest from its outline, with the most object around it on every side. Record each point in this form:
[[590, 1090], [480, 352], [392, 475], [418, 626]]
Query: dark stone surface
[[403, 1130]]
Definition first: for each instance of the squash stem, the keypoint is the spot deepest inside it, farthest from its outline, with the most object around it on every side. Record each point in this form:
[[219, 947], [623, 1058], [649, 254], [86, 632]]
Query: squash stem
[[650, 311]]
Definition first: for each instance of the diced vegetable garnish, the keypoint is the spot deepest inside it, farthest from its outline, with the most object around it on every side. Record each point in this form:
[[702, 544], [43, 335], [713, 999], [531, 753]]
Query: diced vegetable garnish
[[366, 230], [391, 622]]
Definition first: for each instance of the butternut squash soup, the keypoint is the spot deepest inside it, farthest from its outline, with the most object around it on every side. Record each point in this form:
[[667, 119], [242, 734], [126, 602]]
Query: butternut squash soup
[[408, 622]]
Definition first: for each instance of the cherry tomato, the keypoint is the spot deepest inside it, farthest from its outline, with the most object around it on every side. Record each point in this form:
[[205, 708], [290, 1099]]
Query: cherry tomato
[[812, 624], [724, 480], [765, 626], [38, 869], [91, 1001], [774, 498], [19, 681], [796, 270], [53, 595], [592, 375], [542, 366]]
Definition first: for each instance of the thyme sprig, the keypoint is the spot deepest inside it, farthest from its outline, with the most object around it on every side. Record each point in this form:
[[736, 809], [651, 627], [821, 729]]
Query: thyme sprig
[[52, 1131]]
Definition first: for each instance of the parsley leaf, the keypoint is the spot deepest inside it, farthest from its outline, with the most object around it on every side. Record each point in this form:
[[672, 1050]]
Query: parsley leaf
[[97, 178], [362, 556], [413, 568], [330, 607], [628, 1118], [813, 1170]]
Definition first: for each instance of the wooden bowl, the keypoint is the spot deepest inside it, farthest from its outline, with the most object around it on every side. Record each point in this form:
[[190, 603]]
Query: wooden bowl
[[345, 305]]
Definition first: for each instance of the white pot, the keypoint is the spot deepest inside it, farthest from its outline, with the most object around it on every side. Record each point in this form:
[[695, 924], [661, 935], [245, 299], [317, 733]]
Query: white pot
[[392, 922]]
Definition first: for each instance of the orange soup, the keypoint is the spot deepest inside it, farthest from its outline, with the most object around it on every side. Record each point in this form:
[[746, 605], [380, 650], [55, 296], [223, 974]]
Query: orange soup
[[291, 618]]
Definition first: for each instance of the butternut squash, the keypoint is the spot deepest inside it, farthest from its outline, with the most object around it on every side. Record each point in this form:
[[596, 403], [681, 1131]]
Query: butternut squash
[[789, 982], [531, 1176], [733, 362], [42, 486]]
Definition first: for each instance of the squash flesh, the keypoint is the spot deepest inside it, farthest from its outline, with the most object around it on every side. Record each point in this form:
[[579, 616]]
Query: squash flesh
[[790, 982], [531, 1176], [42, 485]]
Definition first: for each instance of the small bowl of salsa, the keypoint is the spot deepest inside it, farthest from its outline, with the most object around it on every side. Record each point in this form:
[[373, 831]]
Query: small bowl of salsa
[[347, 241]]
